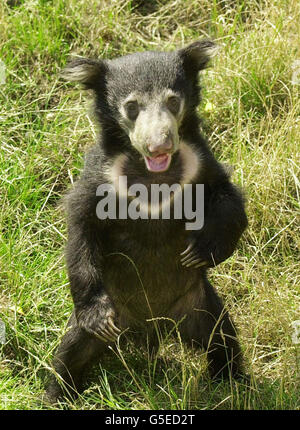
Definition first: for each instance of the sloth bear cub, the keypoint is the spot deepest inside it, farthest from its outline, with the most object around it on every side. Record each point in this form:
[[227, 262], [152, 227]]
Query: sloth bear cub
[[131, 268]]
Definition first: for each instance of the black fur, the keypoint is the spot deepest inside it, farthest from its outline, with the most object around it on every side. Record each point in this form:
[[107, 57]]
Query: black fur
[[126, 271]]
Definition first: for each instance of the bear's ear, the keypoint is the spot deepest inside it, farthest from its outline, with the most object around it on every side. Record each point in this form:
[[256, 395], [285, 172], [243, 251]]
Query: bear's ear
[[87, 72], [197, 55]]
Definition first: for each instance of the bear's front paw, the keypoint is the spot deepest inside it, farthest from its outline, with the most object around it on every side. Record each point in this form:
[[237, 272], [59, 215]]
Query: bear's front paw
[[193, 256], [202, 253], [98, 319]]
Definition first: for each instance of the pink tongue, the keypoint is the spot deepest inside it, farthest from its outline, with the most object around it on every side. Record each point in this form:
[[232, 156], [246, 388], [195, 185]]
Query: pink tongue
[[159, 163]]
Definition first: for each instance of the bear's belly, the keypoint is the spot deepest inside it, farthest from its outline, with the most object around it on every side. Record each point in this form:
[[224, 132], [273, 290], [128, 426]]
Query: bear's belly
[[145, 278]]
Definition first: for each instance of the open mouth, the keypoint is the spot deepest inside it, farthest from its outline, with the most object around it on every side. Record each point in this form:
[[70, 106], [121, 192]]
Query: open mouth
[[160, 163]]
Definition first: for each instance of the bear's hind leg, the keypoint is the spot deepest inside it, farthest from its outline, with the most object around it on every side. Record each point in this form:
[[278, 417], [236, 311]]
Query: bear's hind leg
[[207, 324], [74, 357]]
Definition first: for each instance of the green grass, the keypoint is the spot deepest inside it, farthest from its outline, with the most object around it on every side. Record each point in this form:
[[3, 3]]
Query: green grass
[[251, 111]]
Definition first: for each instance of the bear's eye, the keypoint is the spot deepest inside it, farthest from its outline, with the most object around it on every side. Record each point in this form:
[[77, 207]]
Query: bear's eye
[[173, 104], [132, 110]]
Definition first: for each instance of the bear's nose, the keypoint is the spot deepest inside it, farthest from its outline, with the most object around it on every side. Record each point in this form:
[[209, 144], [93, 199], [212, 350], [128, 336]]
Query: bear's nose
[[161, 148]]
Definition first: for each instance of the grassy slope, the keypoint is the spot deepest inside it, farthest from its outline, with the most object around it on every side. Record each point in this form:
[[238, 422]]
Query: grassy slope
[[251, 110]]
